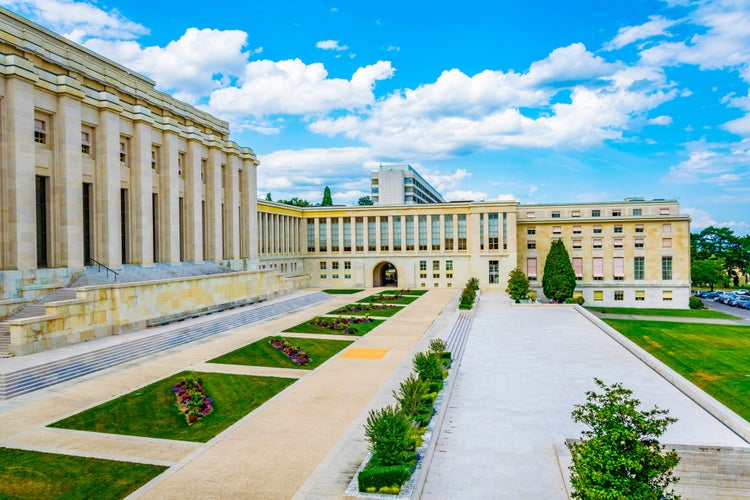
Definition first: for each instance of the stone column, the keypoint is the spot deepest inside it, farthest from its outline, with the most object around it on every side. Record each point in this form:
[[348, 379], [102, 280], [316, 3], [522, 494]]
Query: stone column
[[107, 248], [18, 180], [67, 211], [214, 195], [169, 196], [193, 206], [142, 248]]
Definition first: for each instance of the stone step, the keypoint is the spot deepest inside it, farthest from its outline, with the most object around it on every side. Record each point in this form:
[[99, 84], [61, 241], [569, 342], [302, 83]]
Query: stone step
[[34, 378]]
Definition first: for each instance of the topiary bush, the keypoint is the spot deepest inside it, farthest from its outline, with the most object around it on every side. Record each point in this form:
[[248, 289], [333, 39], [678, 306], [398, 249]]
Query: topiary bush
[[695, 303], [409, 395], [376, 477], [428, 366], [388, 431]]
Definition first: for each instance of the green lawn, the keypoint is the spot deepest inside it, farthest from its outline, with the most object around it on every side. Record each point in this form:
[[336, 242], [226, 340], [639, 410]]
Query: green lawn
[[687, 313], [308, 327], [32, 475], [151, 410], [404, 292], [360, 309], [387, 299], [713, 357], [262, 353], [342, 291]]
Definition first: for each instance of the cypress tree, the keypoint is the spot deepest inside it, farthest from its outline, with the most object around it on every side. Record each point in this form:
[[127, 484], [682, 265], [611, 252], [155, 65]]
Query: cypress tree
[[327, 198], [559, 279]]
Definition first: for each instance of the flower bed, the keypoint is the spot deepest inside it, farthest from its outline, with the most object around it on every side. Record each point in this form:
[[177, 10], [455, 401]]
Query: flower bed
[[364, 309], [192, 400], [293, 352], [339, 324]]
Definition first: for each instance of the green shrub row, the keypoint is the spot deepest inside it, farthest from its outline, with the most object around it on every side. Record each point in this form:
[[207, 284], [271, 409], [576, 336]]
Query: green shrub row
[[395, 431], [469, 294], [574, 300]]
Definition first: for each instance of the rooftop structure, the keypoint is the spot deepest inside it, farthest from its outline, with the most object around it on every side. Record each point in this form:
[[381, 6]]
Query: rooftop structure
[[401, 185]]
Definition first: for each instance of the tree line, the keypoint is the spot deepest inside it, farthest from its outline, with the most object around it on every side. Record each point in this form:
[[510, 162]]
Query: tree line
[[327, 200], [719, 258]]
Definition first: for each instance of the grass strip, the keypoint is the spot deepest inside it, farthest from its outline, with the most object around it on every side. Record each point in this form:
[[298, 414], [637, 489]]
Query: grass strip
[[262, 353], [151, 410], [388, 299], [686, 313], [713, 357], [342, 291], [33, 474], [360, 309], [309, 327]]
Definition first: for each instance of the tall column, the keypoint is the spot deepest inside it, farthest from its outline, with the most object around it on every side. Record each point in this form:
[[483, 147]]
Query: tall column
[[193, 205], [142, 248], [250, 166], [107, 183], [67, 212], [231, 206], [214, 196], [169, 198], [17, 174]]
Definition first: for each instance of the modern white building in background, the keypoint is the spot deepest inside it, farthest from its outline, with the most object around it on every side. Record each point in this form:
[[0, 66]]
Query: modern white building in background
[[401, 185]]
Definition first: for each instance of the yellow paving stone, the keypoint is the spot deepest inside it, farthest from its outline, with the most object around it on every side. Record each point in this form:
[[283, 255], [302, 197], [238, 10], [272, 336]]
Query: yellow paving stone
[[361, 353]]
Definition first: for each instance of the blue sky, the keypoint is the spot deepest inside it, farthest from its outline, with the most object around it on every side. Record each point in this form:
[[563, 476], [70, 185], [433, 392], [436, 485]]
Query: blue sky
[[542, 101]]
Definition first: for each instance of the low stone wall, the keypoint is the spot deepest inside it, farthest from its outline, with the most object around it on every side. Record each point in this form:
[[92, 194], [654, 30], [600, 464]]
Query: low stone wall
[[99, 311]]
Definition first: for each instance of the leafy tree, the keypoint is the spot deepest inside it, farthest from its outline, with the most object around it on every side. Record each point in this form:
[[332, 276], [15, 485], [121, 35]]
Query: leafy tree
[[327, 199], [721, 242], [389, 432], [364, 201], [620, 456], [297, 202], [518, 285], [409, 395], [268, 197], [559, 279], [708, 272]]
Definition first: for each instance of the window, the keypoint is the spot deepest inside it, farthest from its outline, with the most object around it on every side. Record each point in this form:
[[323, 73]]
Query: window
[[618, 242], [422, 221], [638, 243], [40, 131], [423, 269], [666, 268], [435, 269], [155, 158], [335, 265], [575, 213], [598, 295], [335, 235], [461, 232], [347, 269], [597, 229], [310, 235], [384, 234], [494, 231], [666, 295], [359, 234], [531, 245], [555, 215], [347, 235], [557, 230], [494, 272], [531, 268], [124, 150], [618, 268], [597, 243], [436, 232], [576, 229], [323, 266], [666, 228], [481, 231], [639, 228], [322, 235], [664, 211], [616, 213], [449, 269], [619, 295], [666, 242], [531, 230], [596, 213], [531, 215], [578, 267], [372, 229], [577, 244], [397, 233], [597, 266], [637, 212], [410, 233], [448, 230], [640, 295], [204, 166], [180, 164], [618, 229], [86, 143], [638, 268]]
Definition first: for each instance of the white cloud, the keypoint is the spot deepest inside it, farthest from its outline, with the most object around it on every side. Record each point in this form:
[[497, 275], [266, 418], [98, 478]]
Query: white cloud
[[465, 195], [571, 63], [656, 26], [719, 164], [293, 87], [441, 181], [661, 120], [331, 45], [700, 219], [77, 20]]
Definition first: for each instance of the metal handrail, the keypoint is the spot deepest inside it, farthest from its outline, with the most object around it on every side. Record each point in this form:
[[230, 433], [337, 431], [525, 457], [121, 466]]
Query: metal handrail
[[109, 270]]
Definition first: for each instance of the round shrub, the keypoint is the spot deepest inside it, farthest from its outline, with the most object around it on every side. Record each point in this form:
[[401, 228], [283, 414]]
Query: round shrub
[[695, 303]]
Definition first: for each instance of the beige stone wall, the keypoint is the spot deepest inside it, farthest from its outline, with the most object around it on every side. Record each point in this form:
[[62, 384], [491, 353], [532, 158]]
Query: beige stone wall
[[110, 310]]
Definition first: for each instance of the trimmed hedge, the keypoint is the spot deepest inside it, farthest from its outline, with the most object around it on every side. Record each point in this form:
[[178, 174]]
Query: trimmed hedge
[[378, 475]]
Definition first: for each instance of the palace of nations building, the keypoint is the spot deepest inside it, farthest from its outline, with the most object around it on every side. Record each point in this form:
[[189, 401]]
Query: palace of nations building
[[98, 167]]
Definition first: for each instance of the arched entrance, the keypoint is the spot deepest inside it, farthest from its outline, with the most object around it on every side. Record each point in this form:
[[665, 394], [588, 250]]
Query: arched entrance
[[385, 274]]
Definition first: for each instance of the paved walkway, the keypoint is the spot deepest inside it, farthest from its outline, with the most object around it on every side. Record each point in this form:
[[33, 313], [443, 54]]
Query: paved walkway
[[523, 370], [306, 438]]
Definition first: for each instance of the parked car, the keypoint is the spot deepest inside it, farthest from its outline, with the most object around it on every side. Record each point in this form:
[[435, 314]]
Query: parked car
[[730, 299], [743, 301], [742, 291]]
